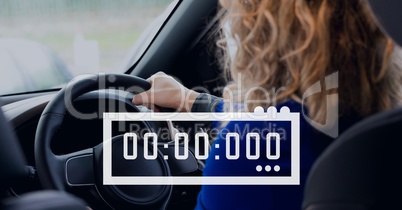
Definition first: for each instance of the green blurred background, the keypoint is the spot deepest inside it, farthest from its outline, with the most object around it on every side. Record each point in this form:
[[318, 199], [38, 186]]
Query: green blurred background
[[114, 24]]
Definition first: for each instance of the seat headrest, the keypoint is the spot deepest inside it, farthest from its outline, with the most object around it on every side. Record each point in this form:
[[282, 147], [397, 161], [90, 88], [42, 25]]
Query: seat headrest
[[389, 16], [361, 169]]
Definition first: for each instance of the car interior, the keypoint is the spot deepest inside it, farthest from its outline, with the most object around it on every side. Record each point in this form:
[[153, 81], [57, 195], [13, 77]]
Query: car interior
[[53, 160]]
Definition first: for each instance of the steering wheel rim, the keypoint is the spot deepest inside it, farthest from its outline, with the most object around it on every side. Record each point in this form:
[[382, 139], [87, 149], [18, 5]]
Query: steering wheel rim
[[53, 169]]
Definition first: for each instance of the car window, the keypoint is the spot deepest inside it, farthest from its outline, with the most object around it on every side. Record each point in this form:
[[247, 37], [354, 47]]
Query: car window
[[9, 69], [66, 38], [37, 65], [147, 36]]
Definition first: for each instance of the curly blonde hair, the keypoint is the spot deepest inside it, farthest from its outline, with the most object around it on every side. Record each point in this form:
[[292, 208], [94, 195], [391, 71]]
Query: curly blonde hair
[[294, 44]]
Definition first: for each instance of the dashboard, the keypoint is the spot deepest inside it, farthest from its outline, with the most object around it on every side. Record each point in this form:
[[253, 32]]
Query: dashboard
[[77, 134]]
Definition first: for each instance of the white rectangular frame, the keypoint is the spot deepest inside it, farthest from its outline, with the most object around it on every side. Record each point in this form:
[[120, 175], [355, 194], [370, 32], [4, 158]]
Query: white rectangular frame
[[284, 115]]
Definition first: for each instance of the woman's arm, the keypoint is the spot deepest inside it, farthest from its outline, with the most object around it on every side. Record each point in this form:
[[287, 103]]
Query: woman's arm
[[166, 92], [206, 103], [169, 93]]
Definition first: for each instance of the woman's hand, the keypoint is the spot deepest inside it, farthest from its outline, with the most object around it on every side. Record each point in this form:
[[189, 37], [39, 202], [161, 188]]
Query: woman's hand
[[166, 92]]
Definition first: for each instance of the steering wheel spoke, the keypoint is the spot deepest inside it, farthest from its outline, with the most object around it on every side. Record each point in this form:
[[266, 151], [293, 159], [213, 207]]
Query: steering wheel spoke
[[79, 168]]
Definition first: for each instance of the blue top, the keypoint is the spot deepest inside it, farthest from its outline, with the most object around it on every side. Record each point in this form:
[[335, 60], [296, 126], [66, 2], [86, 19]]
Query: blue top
[[260, 197]]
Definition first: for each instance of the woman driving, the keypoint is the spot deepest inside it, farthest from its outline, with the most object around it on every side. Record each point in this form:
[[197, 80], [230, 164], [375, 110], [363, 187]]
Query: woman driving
[[283, 48]]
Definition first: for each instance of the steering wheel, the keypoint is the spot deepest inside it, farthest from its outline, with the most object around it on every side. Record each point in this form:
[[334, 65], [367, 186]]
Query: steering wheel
[[84, 168]]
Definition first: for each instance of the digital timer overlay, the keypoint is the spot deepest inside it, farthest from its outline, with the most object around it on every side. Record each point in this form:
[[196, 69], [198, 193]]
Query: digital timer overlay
[[260, 148]]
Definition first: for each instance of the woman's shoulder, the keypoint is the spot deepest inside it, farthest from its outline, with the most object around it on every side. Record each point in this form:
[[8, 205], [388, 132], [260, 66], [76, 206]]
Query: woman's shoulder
[[293, 106]]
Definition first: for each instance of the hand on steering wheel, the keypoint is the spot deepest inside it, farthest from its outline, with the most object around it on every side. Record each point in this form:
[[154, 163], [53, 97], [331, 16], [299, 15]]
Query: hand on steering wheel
[[166, 92]]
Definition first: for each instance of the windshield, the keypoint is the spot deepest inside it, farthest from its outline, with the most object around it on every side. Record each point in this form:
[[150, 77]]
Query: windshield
[[45, 43]]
